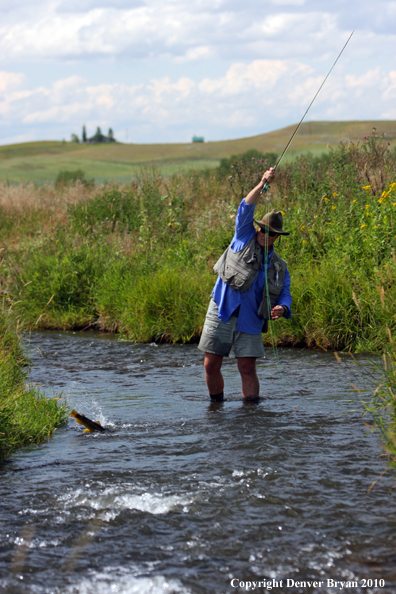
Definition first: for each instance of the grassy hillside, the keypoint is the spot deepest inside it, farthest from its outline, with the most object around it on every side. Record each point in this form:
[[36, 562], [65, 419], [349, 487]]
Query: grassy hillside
[[36, 161]]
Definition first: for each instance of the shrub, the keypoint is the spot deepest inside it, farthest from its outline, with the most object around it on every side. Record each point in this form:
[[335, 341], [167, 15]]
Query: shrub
[[226, 165], [69, 178], [112, 209], [244, 171]]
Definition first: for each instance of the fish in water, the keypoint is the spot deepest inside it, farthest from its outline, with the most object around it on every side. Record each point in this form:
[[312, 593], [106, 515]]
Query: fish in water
[[83, 420]]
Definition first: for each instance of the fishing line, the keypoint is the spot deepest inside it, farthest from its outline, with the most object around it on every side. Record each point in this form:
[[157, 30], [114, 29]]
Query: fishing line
[[271, 323], [265, 188]]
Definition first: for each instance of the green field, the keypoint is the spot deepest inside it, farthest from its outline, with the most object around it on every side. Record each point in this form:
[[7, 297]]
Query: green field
[[41, 161]]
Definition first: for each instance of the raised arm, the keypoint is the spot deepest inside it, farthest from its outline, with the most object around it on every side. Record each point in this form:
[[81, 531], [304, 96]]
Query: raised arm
[[254, 194]]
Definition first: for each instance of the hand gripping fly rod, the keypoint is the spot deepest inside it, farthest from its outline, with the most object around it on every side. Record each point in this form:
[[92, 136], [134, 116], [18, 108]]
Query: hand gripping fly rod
[[265, 188]]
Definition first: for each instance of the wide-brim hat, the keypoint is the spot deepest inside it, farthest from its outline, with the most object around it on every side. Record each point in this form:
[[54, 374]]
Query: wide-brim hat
[[272, 221]]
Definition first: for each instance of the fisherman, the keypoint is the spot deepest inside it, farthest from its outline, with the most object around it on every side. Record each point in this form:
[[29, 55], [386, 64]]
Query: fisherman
[[239, 309]]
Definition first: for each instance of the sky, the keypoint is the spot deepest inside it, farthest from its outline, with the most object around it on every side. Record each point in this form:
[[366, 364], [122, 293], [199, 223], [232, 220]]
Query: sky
[[160, 72]]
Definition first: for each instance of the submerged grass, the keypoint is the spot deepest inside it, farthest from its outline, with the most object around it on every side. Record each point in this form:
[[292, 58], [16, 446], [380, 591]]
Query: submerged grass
[[26, 416]]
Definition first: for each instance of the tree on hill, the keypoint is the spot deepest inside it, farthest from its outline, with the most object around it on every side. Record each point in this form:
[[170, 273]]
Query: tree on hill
[[84, 134], [99, 137]]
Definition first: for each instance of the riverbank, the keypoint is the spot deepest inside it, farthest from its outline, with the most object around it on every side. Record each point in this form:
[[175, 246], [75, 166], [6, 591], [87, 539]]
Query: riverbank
[[26, 416]]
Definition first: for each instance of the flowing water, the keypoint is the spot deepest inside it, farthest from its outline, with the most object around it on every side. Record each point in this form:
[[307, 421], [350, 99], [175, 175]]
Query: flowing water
[[187, 497]]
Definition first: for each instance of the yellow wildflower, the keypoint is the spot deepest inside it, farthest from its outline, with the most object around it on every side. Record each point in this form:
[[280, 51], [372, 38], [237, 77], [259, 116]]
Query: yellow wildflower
[[304, 241], [375, 226], [302, 228], [362, 226], [367, 205], [282, 211], [333, 207], [337, 239], [335, 194], [366, 188], [327, 199], [354, 200]]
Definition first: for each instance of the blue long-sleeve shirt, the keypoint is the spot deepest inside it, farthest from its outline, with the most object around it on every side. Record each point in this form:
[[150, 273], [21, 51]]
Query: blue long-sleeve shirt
[[228, 300]]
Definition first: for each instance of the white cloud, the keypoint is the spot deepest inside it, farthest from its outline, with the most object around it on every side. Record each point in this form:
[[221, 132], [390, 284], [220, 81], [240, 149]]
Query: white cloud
[[260, 95], [227, 67], [189, 30], [288, 2], [10, 80]]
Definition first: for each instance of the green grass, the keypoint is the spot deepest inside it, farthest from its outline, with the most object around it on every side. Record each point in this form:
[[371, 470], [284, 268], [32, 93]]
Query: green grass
[[378, 398], [26, 416], [41, 161], [41, 169], [34, 149]]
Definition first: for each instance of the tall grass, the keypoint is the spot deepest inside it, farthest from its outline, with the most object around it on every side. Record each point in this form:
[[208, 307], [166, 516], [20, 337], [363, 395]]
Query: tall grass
[[26, 416], [378, 398]]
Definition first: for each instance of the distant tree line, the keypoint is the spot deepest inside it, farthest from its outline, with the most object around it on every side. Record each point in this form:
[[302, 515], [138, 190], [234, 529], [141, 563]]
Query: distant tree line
[[96, 138]]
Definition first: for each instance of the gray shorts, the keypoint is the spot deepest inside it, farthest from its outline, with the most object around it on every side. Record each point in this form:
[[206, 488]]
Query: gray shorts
[[218, 337]]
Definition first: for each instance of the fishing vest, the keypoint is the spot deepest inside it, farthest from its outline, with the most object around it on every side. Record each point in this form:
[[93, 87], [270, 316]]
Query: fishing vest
[[239, 270]]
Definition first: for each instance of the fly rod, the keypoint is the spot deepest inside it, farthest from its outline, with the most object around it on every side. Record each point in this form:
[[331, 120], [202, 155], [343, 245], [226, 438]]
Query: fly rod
[[265, 188]]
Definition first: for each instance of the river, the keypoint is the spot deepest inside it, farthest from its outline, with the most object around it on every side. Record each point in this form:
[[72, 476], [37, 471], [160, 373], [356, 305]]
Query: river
[[181, 496]]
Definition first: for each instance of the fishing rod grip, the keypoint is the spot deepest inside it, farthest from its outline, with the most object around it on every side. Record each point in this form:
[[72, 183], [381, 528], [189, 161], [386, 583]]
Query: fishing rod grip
[[265, 188]]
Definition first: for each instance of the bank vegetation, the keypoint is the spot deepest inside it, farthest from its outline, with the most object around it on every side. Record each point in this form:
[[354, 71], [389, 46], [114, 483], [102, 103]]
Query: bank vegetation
[[26, 416]]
